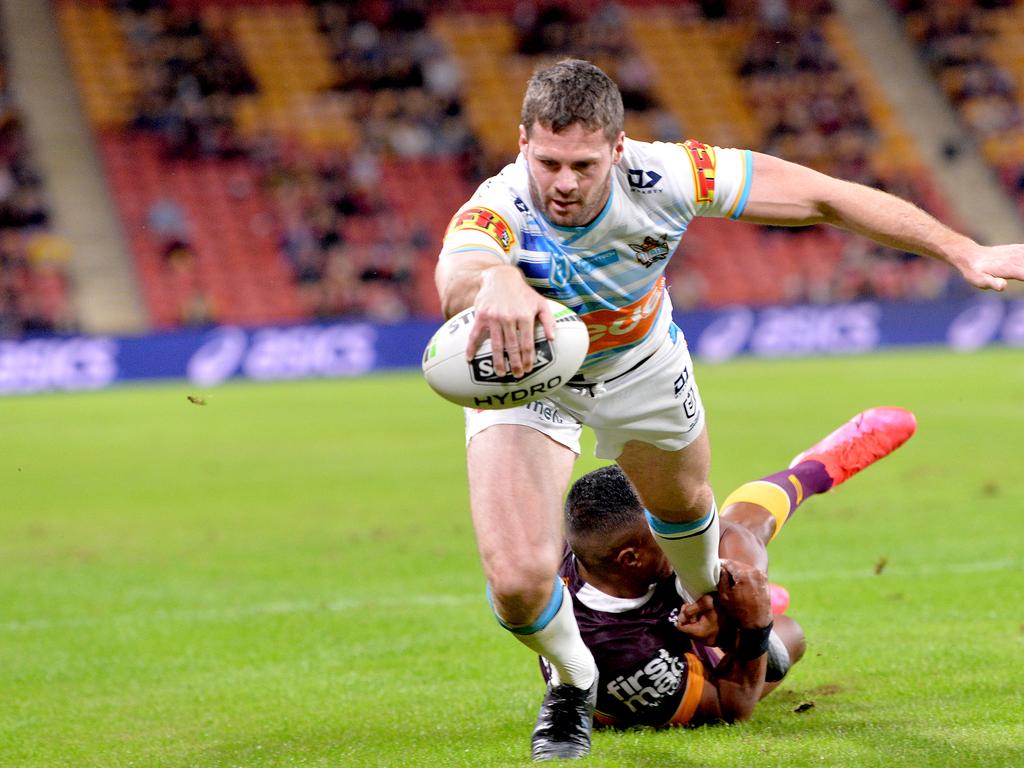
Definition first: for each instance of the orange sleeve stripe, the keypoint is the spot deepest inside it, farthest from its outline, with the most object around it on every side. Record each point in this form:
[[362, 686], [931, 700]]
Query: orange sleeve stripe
[[694, 690]]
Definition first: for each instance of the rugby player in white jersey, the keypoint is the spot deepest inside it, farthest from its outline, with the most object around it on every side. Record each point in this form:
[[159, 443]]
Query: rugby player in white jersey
[[589, 218]]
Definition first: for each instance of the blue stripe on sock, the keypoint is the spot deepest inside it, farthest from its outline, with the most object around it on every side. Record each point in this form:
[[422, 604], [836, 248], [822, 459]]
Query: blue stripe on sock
[[681, 530], [542, 621], [748, 178]]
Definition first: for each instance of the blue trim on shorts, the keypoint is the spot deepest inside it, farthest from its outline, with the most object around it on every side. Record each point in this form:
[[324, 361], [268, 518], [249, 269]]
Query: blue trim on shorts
[[686, 530], [553, 606], [673, 332]]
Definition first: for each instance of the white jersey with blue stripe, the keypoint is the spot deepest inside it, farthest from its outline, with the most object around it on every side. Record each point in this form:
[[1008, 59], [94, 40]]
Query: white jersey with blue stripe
[[611, 272]]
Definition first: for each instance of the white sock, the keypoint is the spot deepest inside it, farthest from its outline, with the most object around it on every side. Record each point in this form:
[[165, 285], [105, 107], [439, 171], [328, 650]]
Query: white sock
[[692, 548], [556, 637]]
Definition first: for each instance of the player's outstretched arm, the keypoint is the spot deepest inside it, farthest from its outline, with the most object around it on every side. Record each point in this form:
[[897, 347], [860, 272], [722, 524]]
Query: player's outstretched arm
[[792, 195], [506, 307]]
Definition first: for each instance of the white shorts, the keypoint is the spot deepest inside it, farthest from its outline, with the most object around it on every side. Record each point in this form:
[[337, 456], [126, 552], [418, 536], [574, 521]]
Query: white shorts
[[657, 403]]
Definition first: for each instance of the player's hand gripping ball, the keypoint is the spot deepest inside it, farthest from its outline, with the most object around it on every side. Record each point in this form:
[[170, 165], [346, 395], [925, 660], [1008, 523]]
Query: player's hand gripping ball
[[475, 383]]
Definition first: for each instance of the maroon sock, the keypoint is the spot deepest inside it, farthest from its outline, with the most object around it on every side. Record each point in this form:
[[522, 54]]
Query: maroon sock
[[810, 478]]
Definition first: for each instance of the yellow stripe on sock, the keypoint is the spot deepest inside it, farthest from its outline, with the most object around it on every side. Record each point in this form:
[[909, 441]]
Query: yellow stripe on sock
[[764, 494], [799, 488]]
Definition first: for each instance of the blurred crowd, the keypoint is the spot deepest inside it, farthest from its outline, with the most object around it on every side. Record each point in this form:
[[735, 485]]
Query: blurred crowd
[[343, 262], [34, 277], [599, 32], [954, 40], [811, 112], [404, 87], [189, 74], [403, 90], [957, 40]]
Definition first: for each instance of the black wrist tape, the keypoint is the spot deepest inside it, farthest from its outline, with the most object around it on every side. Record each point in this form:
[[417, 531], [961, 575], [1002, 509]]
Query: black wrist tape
[[753, 643]]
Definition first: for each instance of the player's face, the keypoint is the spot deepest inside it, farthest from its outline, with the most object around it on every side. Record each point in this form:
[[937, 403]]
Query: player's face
[[648, 562], [570, 171], [658, 566]]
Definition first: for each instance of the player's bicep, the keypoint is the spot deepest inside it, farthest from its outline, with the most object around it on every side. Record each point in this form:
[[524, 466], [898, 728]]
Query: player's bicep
[[784, 193], [457, 275], [478, 238], [711, 181], [459, 263]]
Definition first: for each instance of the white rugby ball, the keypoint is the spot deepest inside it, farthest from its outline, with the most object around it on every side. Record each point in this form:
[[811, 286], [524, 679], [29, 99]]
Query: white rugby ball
[[475, 384]]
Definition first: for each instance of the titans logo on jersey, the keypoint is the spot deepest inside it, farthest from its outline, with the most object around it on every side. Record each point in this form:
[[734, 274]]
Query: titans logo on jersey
[[611, 272], [651, 250]]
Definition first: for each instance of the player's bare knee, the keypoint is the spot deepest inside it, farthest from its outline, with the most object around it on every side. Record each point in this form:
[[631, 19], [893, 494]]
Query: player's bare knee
[[684, 504], [521, 588], [519, 594]]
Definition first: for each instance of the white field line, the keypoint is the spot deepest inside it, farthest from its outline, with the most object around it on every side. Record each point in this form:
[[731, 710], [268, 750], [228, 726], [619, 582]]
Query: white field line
[[397, 602], [935, 569], [234, 613]]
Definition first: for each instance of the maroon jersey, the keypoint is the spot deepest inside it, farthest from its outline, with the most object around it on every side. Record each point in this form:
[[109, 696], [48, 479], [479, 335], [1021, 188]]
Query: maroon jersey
[[650, 672]]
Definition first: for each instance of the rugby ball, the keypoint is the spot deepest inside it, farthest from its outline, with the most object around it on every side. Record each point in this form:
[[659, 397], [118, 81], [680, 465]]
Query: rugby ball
[[475, 384]]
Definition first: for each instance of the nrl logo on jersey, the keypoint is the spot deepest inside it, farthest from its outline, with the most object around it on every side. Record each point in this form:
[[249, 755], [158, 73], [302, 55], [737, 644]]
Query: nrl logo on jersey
[[651, 250]]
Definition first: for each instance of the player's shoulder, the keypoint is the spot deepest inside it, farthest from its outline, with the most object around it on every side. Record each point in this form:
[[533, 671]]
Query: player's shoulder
[[504, 192], [496, 210], [653, 170], [681, 175], [664, 151]]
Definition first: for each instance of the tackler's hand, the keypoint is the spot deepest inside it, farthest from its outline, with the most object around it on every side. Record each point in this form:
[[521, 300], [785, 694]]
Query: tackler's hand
[[699, 621], [743, 595]]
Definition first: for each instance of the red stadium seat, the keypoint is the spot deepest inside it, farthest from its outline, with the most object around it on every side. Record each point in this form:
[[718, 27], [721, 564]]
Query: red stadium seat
[[229, 264]]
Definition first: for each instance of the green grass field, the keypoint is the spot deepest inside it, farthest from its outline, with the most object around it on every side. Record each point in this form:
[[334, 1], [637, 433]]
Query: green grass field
[[286, 576]]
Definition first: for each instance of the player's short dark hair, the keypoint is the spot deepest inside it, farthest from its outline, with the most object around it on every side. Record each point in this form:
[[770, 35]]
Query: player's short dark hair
[[602, 502], [573, 91]]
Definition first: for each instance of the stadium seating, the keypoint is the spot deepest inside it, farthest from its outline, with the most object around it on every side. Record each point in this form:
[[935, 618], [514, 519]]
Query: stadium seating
[[292, 106], [976, 51], [695, 76], [99, 56], [364, 157], [35, 261], [227, 254]]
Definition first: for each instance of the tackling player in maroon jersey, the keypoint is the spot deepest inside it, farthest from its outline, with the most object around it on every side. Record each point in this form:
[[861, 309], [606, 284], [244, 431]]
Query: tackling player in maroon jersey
[[636, 619]]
